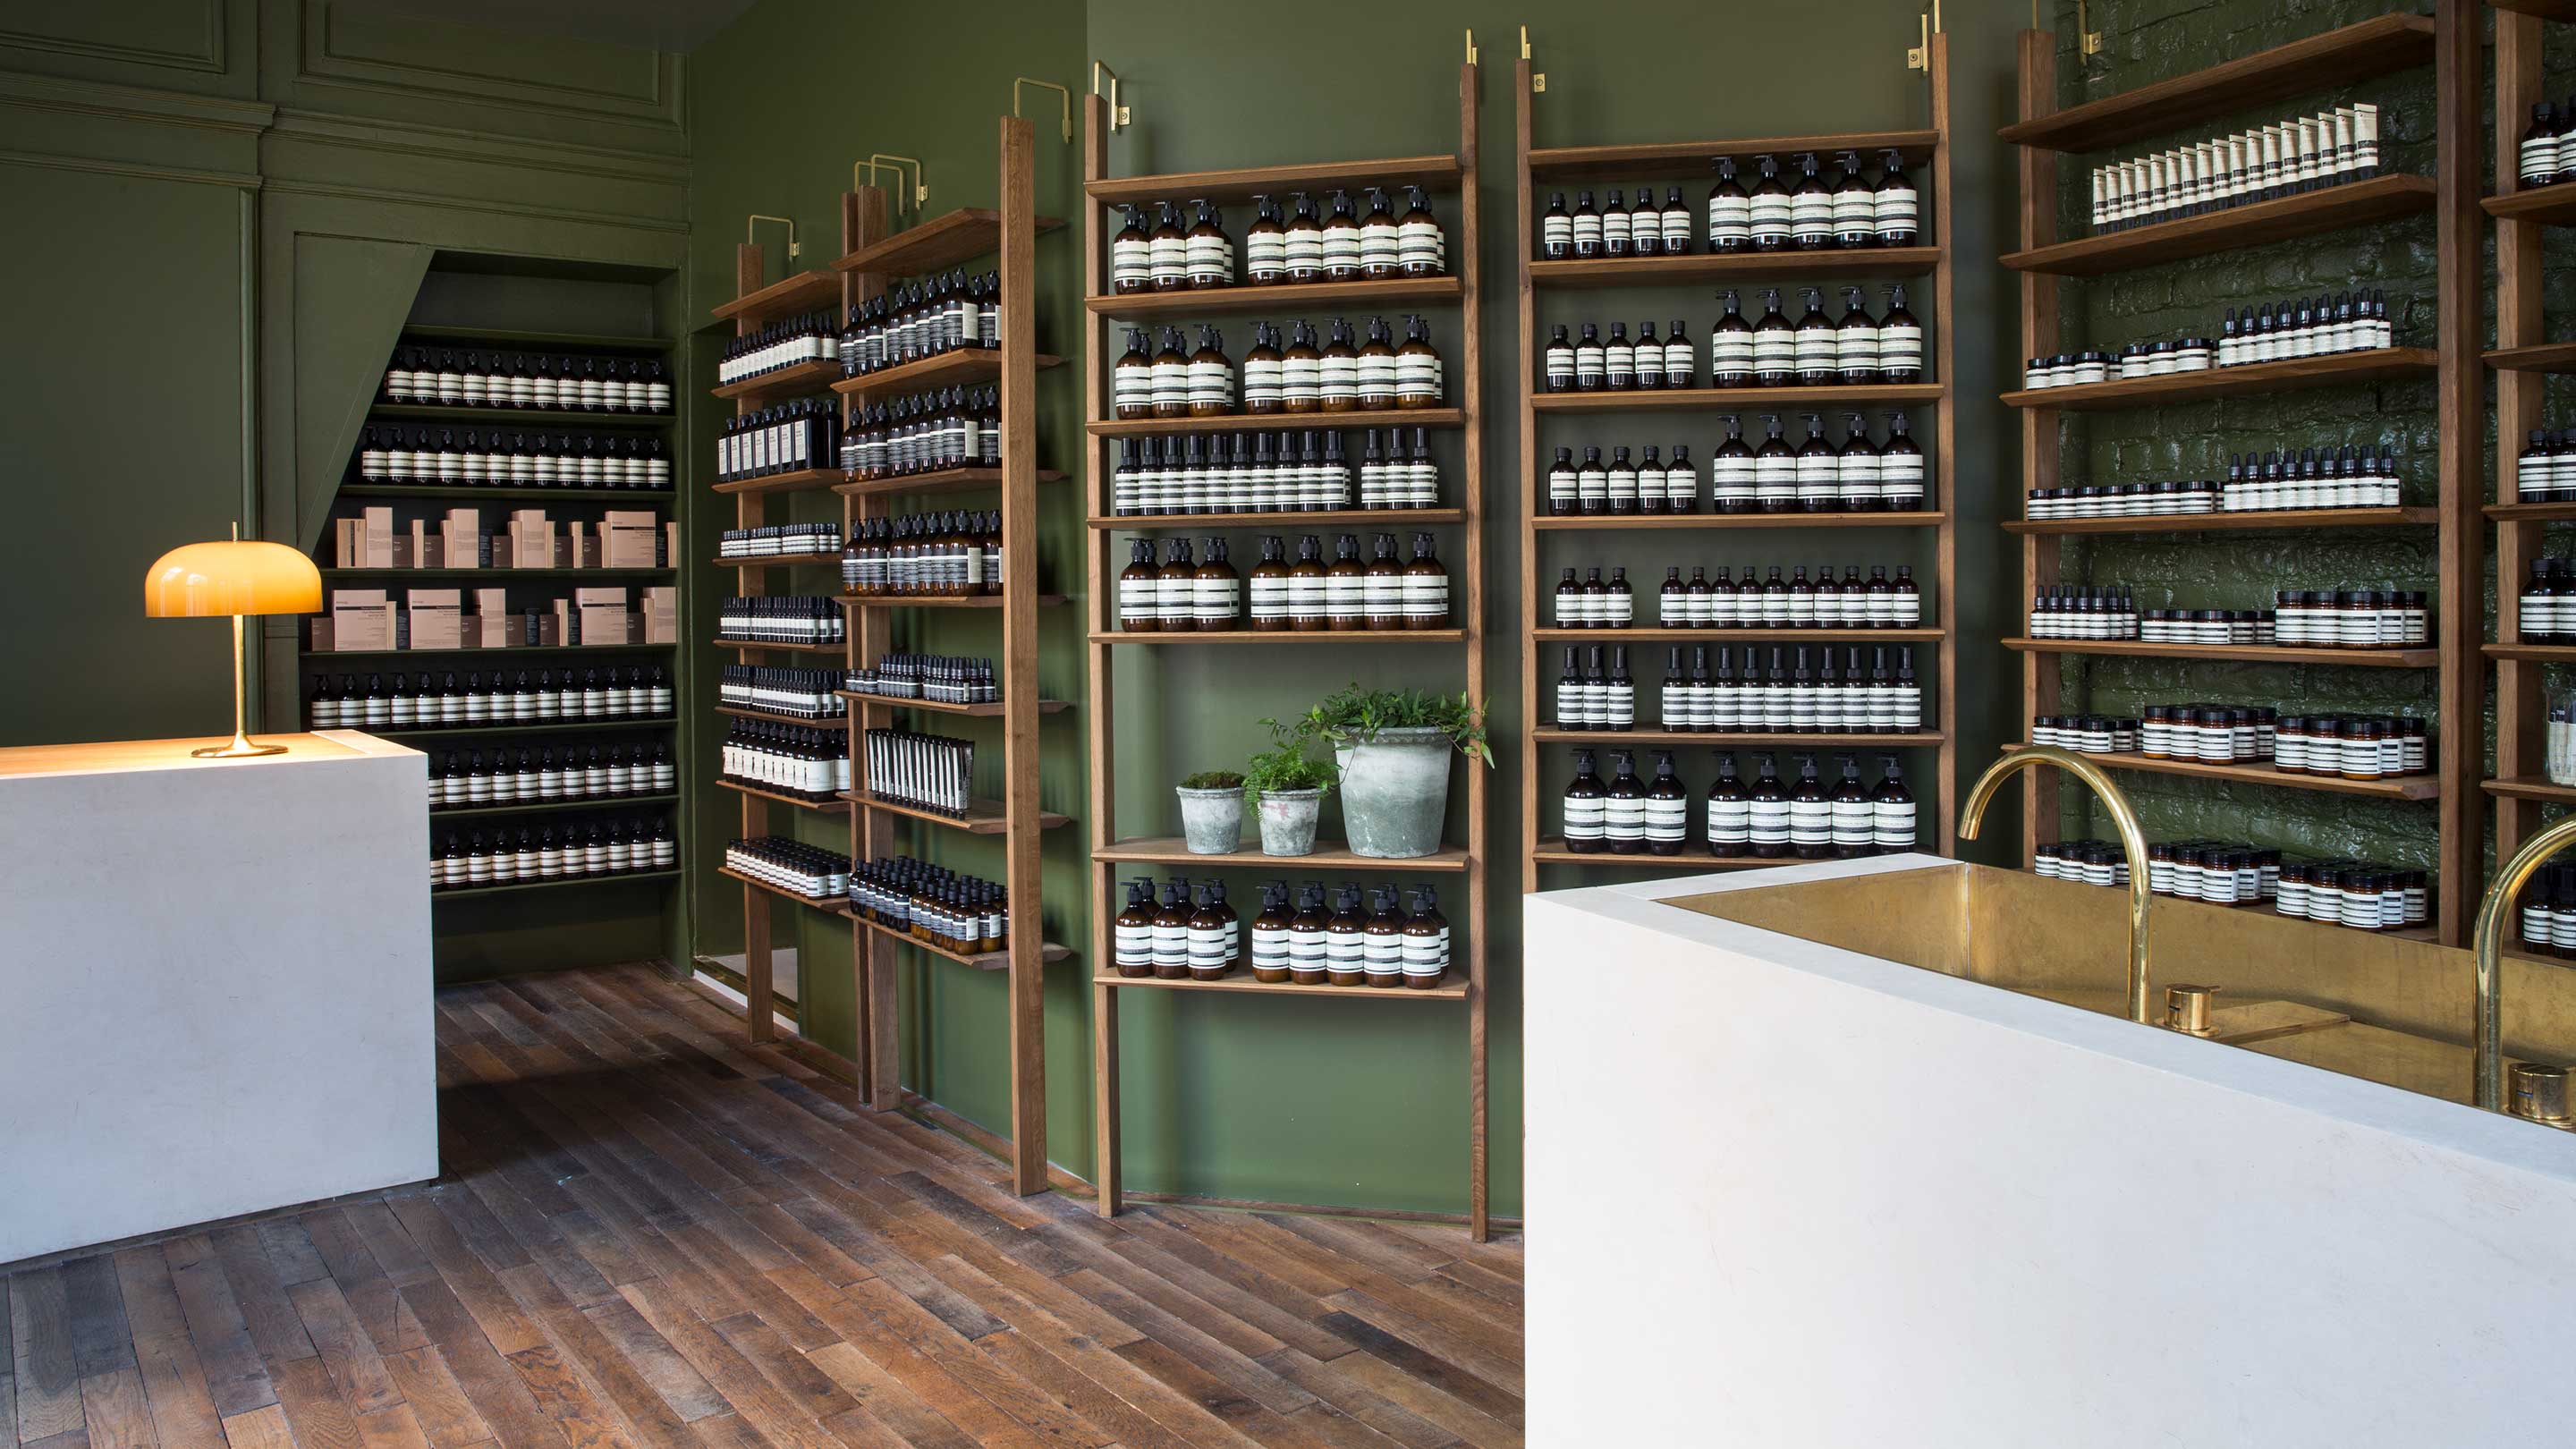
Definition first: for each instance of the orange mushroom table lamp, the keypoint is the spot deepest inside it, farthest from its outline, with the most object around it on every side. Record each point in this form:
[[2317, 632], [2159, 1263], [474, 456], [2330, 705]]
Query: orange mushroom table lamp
[[208, 580]]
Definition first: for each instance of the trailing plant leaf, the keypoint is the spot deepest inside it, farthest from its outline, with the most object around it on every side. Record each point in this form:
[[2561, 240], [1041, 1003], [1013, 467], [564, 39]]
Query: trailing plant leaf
[[1213, 780], [1287, 765], [1353, 713]]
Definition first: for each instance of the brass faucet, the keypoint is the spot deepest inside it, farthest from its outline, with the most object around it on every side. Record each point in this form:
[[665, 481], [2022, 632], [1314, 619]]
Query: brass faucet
[[2525, 864], [2124, 817]]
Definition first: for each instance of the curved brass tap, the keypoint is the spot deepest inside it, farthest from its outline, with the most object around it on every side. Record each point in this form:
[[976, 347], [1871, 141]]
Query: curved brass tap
[[2124, 817], [2509, 881]]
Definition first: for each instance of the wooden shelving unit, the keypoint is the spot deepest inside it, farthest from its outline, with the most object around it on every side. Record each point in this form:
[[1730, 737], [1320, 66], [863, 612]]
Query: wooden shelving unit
[[2448, 42], [458, 415], [2522, 361], [1453, 176], [1928, 151], [874, 258]]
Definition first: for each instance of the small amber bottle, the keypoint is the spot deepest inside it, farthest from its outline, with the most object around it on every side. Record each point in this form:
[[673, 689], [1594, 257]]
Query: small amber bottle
[[1212, 935], [1308, 954], [1211, 377], [1305, 241], [1342, 241], [1172, 933], [1382, 598], [1346, 586], [1270, 586], [1265, 245], [1426, 942], [1132, 934], [1307, 588], [1171, 377], [1426, 587], [1218, 591], [1270, 948], [1171, 251], [1131, 261], [1418, 371], [1132, 380], [1339, 373], [1140, 590], [1346, 941], [1264, 373], [1376, 368], [1301, 372], [1382, 941]]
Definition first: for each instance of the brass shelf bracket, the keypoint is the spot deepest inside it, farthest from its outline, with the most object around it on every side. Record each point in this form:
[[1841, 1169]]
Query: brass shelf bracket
[[795, 248], [869, 169], [1538, 79], [920, 188], [2087, 39], [1018, 81], [1119, 119], [1928, 24], [1471, 47]]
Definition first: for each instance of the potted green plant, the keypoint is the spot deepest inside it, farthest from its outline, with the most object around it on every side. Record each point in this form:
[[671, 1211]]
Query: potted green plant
[[1211, 812], [1287, 785], [1392, 747]]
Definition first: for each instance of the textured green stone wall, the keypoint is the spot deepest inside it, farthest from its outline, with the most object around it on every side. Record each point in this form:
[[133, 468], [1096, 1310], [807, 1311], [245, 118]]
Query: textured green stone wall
[[2145, 41]]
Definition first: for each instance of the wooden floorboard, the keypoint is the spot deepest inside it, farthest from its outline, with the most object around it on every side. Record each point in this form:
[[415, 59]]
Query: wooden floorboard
[[652, 1233]]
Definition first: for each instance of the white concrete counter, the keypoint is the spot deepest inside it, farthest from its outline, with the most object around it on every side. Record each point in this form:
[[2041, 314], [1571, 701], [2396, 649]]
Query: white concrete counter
[[214, 983], [1781, 1193]]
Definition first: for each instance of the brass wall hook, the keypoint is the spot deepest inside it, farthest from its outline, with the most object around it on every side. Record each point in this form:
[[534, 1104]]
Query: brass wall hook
[[2087, 39], [920, 188], [1538, 79], [1018, 81], [1928, 25], [870, 170], [1119, 119], [1471, 47], [794, 247]]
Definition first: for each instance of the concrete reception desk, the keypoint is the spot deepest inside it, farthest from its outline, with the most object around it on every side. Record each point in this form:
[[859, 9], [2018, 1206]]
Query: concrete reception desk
[[1786, 1193], [214, 983]]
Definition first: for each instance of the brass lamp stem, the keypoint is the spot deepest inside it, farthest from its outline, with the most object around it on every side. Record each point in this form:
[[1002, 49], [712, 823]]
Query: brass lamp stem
[[241, 747], [2133, 840], [2489, 940]]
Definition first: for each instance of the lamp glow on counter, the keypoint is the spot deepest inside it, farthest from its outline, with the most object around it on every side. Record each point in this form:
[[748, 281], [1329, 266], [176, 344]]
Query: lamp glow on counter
[[231, 578]]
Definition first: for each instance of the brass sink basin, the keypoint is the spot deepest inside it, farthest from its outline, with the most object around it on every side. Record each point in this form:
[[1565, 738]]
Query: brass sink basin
[[2387, 1009]]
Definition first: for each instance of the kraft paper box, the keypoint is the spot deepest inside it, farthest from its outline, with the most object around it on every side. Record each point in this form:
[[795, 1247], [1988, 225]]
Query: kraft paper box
[[532, 539], [422, 544], [662, 615], [559, 625], [320, 628], [378, 546], [603, 615], [632, 538], [348, 542], [437, 618], [487, 631], [361, 619], [462, 537], [670, 547]]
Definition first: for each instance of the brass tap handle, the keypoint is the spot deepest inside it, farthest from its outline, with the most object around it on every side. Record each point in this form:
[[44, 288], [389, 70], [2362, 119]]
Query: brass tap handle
[[2124, 816], [2489, 940]]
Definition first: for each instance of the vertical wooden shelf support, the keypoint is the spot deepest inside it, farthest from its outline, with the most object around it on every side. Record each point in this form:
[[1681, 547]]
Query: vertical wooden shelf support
[[2459, 384], [2521, 708], [1100, 593], [1943, 517]]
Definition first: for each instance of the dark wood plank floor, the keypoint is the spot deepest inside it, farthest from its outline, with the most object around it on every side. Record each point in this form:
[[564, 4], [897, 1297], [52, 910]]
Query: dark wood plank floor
[[650, 1233]]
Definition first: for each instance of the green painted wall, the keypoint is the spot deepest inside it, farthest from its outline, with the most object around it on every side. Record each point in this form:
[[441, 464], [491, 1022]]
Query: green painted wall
[[239, 197], [1312, 1101]]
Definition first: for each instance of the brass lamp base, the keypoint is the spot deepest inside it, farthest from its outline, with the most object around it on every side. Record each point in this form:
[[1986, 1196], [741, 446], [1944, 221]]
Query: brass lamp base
[[240, 749]]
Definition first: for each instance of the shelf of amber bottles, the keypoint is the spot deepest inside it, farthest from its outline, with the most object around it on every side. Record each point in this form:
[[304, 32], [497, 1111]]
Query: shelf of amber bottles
[[1449, 176], [874, 256], [1927, 153]]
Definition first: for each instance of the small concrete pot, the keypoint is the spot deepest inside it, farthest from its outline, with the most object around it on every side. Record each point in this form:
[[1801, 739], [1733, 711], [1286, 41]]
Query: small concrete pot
[[1395, 791], [1288, 821], [1211, 820]]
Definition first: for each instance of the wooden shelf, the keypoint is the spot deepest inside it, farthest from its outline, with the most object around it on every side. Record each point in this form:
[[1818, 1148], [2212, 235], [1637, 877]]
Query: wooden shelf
[[941, 242], [982, 817], [547, 807], [1746, 400], [627, 877], [811, 376], [1697, 267], [2532, 787], [1647, 635], [2244, 653], [341, 573], [1320, 518], [2560, 10], [515, 340], [839, 648], [935, 601], [801, 481], [781, 560], [1327, 855], [1295, 422], [529, 727], [1670, 160], [2531, 512], [982, 711], [801, 292], [1281, 297], [462, 416], [2401, 787], [982, 960], [946, 369], [2340, 369], [513, 651], [928, 482], [2531, 653], [1615, 739], [2338, 58], [475, 492], [1289, 636], [2269, 520], [2357, 203], [1451, 987], [834, 806], [1242, 183], [830, 905], [2548, 205], [2541, 357], [1591, 522], [814, 723], [1551, 851]]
